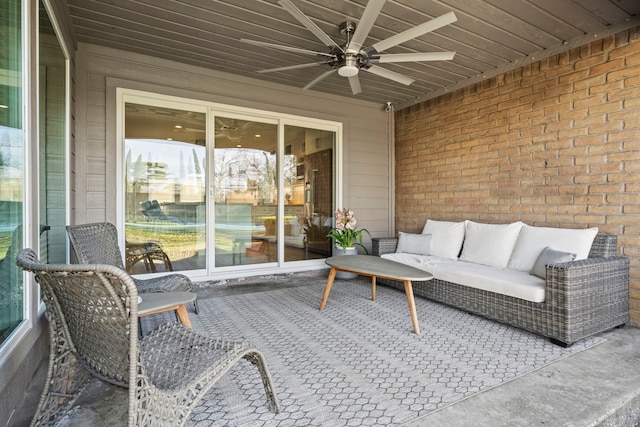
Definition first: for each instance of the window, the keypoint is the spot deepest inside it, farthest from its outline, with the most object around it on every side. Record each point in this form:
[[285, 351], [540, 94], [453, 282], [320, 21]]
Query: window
[[52, 155], [52, 143], [11, 167]]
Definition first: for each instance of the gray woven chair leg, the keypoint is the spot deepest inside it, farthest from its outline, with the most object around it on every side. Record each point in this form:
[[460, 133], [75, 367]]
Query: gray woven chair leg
[[66, 380], [196, 308], [258, 360]]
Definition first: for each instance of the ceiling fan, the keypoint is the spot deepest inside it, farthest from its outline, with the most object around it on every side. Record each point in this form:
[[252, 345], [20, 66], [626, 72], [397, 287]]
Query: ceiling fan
[[352, 57]]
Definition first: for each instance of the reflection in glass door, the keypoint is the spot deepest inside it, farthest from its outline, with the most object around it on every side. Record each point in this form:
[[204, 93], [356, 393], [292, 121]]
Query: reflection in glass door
[[308, 187], [249, 225], [165, 197], [246, 196]]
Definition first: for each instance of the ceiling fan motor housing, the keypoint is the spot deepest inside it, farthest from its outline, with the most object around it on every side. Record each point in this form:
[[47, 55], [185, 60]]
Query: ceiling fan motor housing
[[348, 62]]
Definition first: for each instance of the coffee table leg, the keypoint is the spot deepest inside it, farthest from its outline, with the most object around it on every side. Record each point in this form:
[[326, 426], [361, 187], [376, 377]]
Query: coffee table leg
[[408, 289], [373, 288], [183, 316], [327, 288]]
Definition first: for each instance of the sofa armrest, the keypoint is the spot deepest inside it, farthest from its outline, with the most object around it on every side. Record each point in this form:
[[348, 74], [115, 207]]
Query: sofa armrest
[[604, 246], [589, 296], [383, 245]]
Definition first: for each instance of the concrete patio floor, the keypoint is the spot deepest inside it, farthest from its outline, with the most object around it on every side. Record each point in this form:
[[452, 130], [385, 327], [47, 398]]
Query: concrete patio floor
[[596, 387]]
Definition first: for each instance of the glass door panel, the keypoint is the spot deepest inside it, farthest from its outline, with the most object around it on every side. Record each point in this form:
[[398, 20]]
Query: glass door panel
[[165, 197], [11, 167], [52, 144], [308, 188], [246, 197]]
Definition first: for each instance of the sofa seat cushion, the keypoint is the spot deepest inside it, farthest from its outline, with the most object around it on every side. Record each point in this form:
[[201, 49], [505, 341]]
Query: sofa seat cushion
[[514, 283]]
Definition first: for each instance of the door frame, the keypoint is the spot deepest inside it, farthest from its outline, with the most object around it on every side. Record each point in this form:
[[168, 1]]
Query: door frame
[[211, 109]]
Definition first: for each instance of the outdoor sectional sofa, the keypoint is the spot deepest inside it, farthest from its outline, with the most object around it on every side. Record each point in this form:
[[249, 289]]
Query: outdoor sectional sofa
[[564, 284]]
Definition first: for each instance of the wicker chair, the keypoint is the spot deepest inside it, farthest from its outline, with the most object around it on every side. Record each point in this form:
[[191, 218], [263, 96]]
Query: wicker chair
[[97, 243], [92, 311]]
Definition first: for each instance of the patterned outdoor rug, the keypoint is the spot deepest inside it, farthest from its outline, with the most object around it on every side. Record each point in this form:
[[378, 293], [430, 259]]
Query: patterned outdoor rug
[[358, 362]]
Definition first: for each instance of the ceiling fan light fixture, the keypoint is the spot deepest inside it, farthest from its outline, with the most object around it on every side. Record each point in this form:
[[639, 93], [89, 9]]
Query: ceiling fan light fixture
[[350, 67]]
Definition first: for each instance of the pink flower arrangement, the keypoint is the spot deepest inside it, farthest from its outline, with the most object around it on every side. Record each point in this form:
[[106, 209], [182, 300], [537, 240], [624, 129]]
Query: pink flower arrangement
[[345, 233]]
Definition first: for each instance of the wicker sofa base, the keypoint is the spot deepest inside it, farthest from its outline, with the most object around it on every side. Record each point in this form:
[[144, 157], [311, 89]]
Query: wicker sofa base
[[582, 298]]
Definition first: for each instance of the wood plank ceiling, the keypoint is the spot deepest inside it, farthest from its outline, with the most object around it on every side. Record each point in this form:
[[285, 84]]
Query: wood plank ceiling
[[489, 37]]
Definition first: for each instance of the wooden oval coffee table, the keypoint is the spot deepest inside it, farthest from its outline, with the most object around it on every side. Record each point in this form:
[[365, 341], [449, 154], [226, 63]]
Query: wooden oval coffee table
[[373, 266]]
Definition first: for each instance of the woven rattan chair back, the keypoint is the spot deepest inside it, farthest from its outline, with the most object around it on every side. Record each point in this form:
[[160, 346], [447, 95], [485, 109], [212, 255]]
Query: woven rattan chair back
[[96, 243], [93, 331]]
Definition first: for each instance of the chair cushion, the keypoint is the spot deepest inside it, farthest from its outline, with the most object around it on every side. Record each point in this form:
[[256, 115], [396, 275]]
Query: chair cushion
[[414, 243], [532, 241], [446, 238], [489, 244], [550, 256]]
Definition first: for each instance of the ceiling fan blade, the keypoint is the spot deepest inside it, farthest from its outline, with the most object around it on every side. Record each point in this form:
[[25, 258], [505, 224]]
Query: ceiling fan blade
[[414, 32], [283, 47], [391, 75], [311, 26], [318, 79], [354, 82], [291, 67], [364, 26], [413, 57]]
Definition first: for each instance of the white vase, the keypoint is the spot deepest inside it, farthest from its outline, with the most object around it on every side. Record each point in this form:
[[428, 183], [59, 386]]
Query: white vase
[[338, 251]]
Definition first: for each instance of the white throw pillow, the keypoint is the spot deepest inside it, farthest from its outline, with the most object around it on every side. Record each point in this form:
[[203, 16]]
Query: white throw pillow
[[550, 256], [489, 244], [533, 240], [446, 238], [418, 244]]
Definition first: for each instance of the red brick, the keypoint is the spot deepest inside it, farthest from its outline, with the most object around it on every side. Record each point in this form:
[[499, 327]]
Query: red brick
[[632, 103], [589, 102], [621, 52], [624, 177], [611, 89], [627, 135], [606, 107], [590, 62], [623, 73]]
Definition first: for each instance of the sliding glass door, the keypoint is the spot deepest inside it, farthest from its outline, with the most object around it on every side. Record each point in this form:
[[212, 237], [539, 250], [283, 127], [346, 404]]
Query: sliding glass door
[[309, 195], [211, 189], [165, 199], [254, 221], [246, 196]]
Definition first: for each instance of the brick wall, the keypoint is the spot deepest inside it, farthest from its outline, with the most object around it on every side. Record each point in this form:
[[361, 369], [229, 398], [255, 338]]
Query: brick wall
[[555, 143]]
